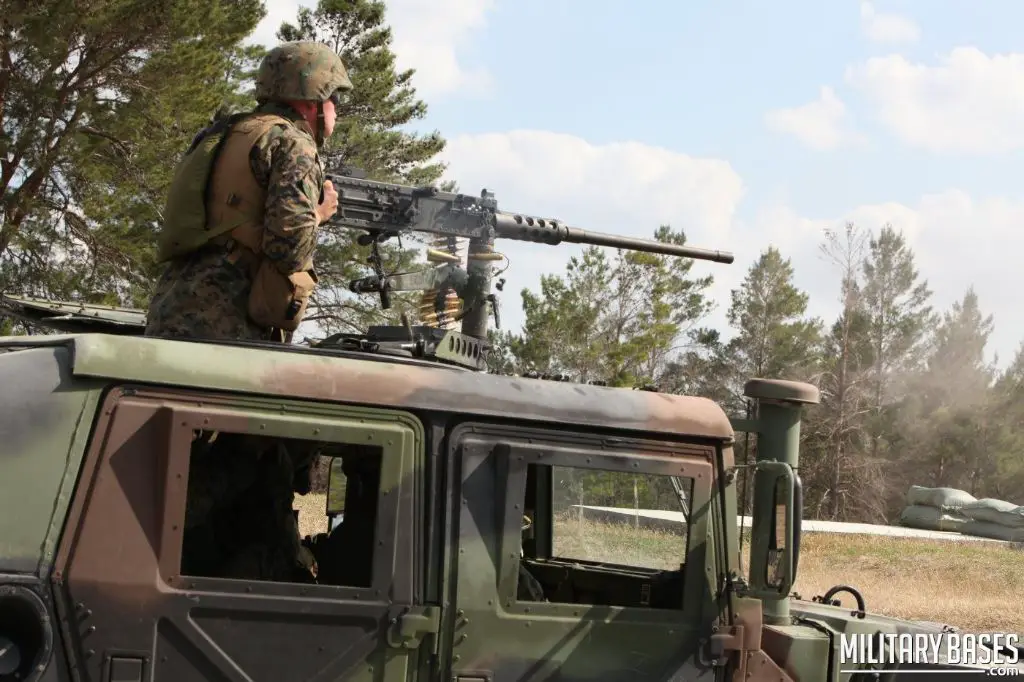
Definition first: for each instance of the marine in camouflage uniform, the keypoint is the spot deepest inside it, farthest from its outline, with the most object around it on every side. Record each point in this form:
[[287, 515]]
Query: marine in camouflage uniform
[[204, 294], [239, 520]]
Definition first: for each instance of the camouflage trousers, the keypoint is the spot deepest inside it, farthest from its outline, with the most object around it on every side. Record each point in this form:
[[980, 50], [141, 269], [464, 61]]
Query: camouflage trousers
[[204, 295]]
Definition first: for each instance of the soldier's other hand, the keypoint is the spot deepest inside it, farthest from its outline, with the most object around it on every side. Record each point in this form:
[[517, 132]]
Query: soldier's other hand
[[329, 204]]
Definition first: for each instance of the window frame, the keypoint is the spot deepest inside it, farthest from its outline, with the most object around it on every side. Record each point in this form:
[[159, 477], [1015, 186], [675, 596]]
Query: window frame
[[398, 434], [681, 459]]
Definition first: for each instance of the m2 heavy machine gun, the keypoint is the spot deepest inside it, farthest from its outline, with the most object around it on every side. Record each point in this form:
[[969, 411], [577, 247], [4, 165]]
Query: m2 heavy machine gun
[[384, 210]]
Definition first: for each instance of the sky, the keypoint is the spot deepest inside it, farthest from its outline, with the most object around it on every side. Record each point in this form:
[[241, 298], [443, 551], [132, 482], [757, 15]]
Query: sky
[[747, 124]]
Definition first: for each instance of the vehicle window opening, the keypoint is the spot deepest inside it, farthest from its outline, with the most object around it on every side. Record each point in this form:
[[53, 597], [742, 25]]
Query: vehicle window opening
[[602, 537], [258, 508]]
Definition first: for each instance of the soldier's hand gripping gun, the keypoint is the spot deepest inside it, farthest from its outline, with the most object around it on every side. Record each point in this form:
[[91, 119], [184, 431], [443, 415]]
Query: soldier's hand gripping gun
[[384, 210]]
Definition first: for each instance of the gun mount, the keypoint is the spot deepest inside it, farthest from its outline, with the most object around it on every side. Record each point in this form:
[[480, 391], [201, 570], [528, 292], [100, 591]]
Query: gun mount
[[385, 210]]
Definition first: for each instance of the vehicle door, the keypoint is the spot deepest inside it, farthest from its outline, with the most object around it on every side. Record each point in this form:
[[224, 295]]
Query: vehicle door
[[133, 614], [561, 575]]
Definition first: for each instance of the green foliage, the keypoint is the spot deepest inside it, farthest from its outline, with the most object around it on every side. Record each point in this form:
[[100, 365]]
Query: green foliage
[[101, 95], [608, 320], [772, 337]]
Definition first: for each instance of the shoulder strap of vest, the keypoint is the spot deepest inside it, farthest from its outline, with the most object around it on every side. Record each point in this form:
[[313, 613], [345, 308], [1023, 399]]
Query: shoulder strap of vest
[[246, 225]]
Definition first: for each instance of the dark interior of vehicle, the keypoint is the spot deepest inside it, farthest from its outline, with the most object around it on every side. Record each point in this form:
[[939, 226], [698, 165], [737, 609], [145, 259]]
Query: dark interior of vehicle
[[572, 581]]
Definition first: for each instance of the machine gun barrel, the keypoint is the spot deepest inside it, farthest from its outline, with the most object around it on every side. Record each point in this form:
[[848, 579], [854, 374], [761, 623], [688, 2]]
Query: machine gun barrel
[[527, 228], [383, 210], [390, 208]]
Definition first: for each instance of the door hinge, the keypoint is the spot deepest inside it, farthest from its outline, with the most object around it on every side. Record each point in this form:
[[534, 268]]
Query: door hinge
[[407, 630], [723, 643]]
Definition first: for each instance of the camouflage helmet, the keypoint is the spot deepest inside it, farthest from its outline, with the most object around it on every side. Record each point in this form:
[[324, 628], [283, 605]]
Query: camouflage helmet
[[302, 70]]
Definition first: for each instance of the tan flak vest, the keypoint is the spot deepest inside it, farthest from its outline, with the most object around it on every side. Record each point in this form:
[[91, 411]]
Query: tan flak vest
[[234, 217]]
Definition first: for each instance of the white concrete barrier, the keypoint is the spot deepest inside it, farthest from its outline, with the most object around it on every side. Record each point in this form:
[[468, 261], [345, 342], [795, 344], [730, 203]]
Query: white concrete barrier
[[670, 520]]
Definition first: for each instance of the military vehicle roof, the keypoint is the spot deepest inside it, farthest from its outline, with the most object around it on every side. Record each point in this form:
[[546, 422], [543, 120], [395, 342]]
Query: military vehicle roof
[[294, 371]]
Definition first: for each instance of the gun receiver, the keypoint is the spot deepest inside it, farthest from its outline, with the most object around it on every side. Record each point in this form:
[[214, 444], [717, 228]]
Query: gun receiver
[[384, 210]]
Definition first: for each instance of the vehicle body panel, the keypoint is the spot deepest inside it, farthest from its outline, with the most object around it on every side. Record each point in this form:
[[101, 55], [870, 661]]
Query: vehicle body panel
[[45, 418]]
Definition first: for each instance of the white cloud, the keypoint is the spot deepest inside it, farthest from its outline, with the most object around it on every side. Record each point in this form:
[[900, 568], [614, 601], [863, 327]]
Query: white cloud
[[958, 241], [820, 124], [278, 12], [428, 36], [624, 188], [887, 28], [969, 103]]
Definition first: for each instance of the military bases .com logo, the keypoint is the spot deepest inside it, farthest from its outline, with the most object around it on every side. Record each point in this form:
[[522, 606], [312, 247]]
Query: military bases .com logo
[[990, 654]]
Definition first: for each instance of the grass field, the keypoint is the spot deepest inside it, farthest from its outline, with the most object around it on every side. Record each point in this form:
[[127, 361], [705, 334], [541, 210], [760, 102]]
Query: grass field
[[973, 585]]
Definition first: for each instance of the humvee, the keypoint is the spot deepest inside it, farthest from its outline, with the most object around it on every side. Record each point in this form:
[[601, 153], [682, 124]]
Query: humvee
[[447, 564]]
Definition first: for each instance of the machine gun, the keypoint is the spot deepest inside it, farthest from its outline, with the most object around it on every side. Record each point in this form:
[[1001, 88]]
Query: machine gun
[[384, 210]]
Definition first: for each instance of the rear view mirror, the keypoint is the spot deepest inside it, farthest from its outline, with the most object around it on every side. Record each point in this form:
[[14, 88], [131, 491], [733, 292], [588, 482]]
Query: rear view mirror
[[336, 483]]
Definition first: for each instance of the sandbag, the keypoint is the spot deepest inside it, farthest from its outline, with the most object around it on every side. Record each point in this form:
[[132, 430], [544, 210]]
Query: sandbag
[[999, 512], [994, 531], [940, 498], [930, 518]]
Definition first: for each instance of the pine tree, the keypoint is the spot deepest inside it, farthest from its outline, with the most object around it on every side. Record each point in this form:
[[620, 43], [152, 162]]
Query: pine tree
[[896, 300], [615, 321], [96, 98], [841, 478]]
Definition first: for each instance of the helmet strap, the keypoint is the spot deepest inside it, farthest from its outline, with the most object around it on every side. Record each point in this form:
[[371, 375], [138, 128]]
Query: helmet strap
[[321, 125]]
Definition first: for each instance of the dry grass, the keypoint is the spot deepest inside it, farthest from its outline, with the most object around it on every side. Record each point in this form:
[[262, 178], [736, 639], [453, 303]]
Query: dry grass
[[974, 585], [312, 513]]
